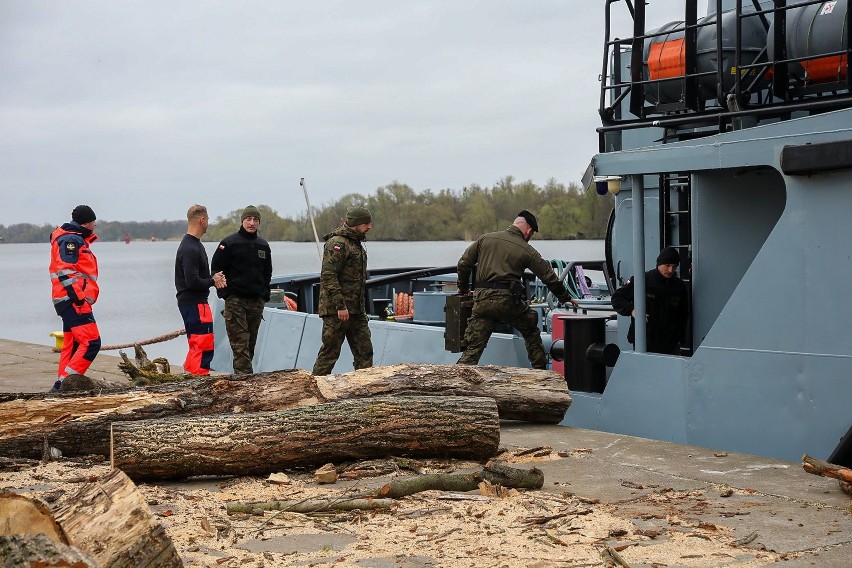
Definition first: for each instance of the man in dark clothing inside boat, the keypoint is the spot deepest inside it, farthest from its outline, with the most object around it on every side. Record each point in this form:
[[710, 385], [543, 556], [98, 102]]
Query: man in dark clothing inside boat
[[192, 282], [666, 304], [341, 301], [246, 261], [500, 259]]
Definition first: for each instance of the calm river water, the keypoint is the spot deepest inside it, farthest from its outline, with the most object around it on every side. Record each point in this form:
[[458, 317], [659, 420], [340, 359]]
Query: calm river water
[[137, 298]]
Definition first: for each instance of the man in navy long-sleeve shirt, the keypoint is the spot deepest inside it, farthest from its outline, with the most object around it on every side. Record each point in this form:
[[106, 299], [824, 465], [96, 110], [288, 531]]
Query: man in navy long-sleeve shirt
[[193, 282]]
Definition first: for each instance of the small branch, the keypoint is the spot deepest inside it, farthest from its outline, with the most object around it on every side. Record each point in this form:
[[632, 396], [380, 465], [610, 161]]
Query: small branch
[[825, 469], [311, 505], [610, 554], [745, 540], [494, 473]]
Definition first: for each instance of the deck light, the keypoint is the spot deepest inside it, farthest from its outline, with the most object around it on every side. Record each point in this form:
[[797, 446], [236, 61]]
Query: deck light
[[607, 184]]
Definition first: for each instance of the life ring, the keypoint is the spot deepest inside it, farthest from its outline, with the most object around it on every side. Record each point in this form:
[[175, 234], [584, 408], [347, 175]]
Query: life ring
[[403, 305]]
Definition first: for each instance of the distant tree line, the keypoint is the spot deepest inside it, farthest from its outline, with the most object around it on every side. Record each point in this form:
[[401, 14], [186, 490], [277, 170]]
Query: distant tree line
[[399, 214], [106, 231]]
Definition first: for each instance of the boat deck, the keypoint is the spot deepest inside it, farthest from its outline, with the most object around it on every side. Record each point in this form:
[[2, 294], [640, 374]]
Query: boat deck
[[658, 486]]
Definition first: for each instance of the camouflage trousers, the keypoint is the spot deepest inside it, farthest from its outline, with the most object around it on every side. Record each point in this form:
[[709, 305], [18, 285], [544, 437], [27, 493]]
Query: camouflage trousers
[[242, 320], [491, 307], [357, 334]]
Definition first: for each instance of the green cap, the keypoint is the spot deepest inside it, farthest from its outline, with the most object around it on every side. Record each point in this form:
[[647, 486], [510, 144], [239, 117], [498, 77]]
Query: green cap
[[358, 216], [250, 211]]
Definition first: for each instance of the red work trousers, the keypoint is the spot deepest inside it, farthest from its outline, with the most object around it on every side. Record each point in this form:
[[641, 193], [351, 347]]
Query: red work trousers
[[198, 322], [81, 341]]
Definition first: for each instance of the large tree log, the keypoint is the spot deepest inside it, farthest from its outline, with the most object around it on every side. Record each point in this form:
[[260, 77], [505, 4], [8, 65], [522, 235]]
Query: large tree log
[[107, 518], [79, 425], [265, 442], [532, 395]]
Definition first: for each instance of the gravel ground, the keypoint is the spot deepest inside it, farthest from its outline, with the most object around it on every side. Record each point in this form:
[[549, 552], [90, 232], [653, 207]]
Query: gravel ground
[[494, 527]]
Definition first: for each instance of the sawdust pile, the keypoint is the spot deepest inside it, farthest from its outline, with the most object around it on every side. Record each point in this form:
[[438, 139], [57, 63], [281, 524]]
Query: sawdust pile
[[500, 528]]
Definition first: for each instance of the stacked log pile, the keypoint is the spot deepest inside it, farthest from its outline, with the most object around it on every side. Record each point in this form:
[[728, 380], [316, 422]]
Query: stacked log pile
[[80, 425], [251, 425]]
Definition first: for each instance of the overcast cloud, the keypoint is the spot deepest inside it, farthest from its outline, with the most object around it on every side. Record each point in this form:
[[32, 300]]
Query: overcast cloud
[[142, 108]]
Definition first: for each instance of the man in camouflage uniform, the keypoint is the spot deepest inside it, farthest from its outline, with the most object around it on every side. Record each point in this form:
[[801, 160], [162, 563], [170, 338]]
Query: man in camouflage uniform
[[341, 304], [500, 259]]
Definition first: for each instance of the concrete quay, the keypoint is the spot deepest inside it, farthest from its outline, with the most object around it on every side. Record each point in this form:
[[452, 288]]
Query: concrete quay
[[27, 367], [765, 504]]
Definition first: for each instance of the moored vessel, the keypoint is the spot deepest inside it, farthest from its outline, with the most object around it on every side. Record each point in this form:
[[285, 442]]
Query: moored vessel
[[729, 137]]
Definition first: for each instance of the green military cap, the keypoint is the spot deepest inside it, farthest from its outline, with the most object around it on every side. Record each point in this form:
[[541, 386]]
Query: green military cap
[[358, 216], [250, 211]]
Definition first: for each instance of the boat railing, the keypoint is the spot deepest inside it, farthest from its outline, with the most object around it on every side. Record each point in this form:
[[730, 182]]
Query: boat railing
[[757, 71]]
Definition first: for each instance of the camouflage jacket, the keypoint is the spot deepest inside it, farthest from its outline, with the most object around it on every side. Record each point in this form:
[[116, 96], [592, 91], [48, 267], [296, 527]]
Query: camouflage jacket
[[503, 256], [344, 271]]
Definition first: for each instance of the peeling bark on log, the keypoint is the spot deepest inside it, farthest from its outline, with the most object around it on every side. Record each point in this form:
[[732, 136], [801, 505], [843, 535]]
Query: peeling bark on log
[[532, 395], [79, 425], [313, 505], [265, 442], [494, 473], [40, 551], [107, 519]]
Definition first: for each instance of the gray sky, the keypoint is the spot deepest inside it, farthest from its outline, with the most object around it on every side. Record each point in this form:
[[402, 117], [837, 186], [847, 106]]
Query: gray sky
[[141, 108]]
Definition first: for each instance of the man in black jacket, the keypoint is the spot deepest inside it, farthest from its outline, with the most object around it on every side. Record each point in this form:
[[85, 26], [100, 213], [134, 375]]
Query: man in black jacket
[[666, 305], [192, 282], [246, 261]]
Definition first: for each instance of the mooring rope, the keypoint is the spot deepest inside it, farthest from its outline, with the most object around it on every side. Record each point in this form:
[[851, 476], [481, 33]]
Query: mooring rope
[[158, 339]]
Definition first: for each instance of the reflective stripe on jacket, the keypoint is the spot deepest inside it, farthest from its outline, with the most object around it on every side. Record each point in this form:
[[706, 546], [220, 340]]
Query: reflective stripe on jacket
[[73, 266]]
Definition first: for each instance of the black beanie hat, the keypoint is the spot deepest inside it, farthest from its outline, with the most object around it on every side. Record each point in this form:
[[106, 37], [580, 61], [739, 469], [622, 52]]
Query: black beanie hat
[[83, 214], [530, 219], [668, 255]]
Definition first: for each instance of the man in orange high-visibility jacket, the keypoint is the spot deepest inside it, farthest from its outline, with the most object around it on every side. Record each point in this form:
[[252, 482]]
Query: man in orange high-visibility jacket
[[74, 276]]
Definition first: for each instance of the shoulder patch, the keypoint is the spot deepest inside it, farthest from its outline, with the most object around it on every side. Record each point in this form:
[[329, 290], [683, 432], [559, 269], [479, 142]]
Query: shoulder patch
[[221, 247], [337, 247], [70, 247]]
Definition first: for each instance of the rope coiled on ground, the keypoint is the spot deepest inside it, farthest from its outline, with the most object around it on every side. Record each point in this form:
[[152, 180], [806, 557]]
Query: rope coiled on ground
[[158, 339]]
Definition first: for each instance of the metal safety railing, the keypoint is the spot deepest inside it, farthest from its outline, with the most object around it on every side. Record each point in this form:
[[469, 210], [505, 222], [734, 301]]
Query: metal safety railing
[[722, 73]]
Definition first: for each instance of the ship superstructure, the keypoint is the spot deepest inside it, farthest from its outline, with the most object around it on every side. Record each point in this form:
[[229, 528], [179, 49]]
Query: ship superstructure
[[729, 136]]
